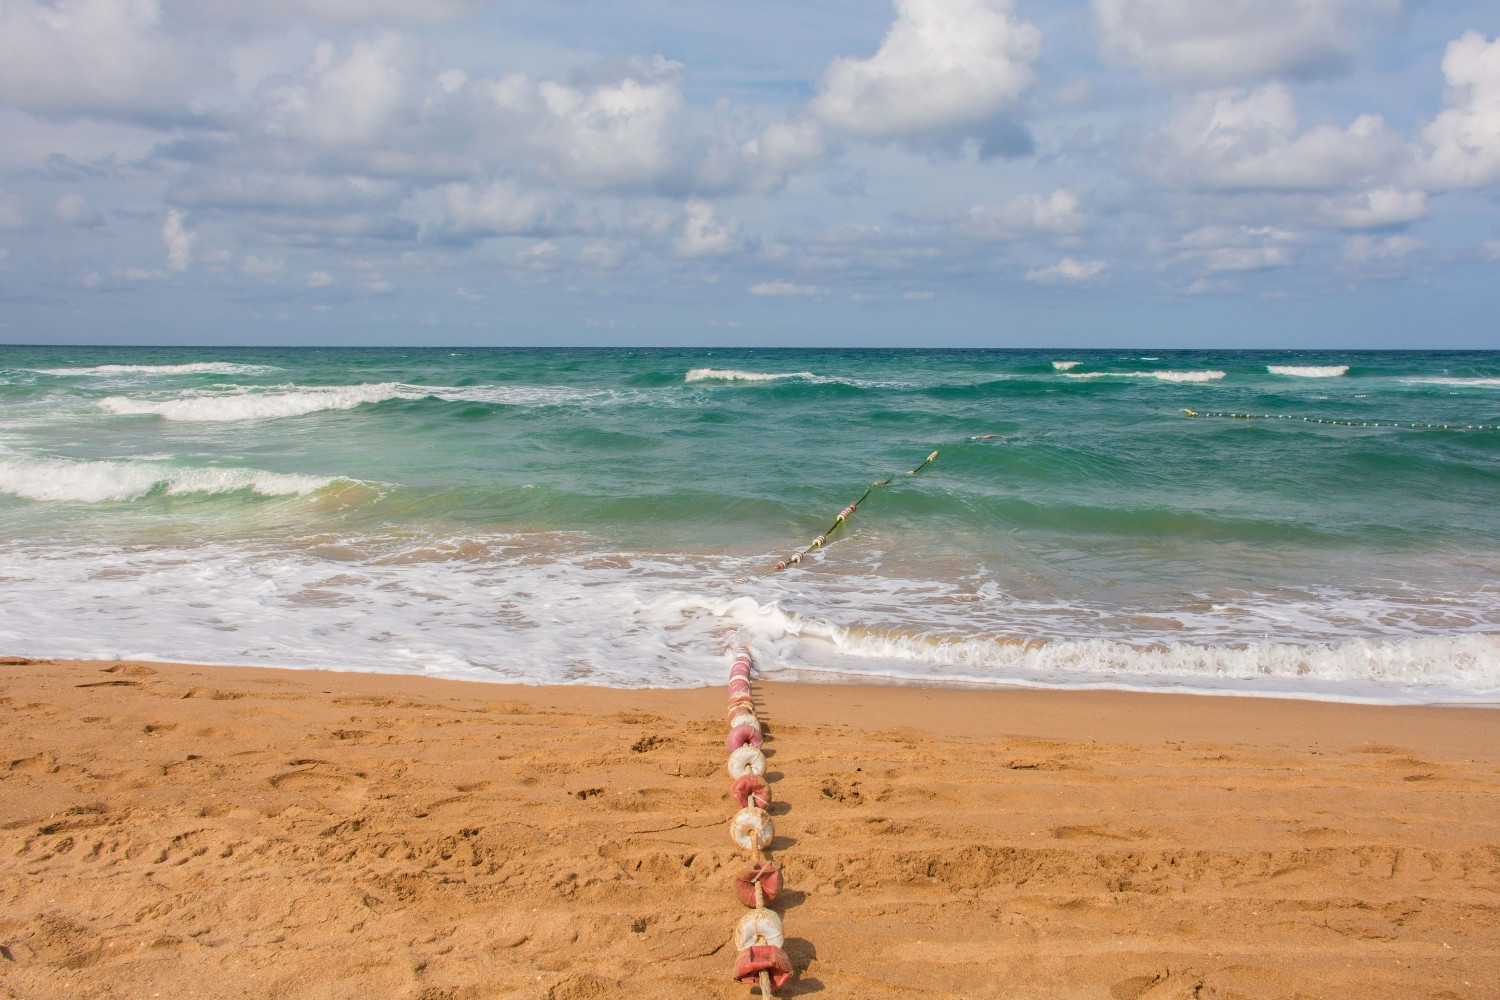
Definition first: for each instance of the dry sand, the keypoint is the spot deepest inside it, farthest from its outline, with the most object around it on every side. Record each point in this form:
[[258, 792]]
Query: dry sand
[[208, 832]]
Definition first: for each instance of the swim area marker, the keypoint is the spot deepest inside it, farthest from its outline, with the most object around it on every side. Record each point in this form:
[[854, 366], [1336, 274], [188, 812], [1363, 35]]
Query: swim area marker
[[1345, 423], [760, 960], [843, 516]]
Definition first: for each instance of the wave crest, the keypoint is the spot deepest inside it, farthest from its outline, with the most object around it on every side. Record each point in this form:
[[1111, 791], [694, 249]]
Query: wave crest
[[69, 480], [1210, 375], [1308, 371], [196, 367], [735, 375]]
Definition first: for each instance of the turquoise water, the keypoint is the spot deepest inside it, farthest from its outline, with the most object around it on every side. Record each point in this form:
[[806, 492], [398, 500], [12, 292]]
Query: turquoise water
[[600, 516]]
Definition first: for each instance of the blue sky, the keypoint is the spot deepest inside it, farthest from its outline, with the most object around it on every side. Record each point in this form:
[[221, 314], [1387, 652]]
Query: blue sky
[[1276, 173]]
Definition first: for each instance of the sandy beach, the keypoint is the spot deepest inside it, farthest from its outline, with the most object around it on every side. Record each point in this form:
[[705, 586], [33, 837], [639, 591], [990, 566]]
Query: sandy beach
[[221, 832]]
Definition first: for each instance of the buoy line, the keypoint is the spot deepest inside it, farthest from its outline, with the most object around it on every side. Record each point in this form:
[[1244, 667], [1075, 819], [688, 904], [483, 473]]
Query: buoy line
[[1345, 423], [760, 959], [840, 518]]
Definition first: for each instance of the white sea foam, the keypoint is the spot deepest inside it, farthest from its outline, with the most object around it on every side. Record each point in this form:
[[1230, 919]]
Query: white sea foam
[[1063, 366], [1164, 376], [1308, 371], [473, 607], [197, 367], [245, 404], [1404, 669], [68, 480], [1461, 382], [271, 402], [734, 375]]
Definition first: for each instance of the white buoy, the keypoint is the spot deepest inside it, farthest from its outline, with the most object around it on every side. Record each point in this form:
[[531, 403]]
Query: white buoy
[[762, 924], [747, 760], [746, 719], [752, 829]]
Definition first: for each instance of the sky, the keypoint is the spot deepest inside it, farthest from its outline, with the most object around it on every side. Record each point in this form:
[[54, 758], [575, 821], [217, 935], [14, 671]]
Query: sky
[[966, 173]]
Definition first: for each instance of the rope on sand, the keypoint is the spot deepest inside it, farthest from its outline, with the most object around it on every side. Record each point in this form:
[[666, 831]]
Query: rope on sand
[[760, 959], [1346, 423]]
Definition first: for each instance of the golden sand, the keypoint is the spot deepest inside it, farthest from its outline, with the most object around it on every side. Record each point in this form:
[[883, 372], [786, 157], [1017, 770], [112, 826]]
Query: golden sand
[[212, 832]]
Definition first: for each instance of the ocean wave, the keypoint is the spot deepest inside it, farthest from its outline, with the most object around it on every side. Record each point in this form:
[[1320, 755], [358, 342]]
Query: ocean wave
[[68, 480], [1308, 371], [244, 404], [1479, 382], [1408, 668], [1210, 375], [1063, 366], [197, 367], [735, 375], [271, 402]]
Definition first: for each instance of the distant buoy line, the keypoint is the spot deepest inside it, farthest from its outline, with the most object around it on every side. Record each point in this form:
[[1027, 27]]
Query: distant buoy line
[[1346, 423]]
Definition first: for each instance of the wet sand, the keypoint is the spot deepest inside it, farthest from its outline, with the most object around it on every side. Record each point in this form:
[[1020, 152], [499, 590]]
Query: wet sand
[[214, 832]]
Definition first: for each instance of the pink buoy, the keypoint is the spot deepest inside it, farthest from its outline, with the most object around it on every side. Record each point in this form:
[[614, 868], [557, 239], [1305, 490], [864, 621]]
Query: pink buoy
[[769, 877], [752, 961], [751, 790], [741, 735], [739, 688], [740, 669]]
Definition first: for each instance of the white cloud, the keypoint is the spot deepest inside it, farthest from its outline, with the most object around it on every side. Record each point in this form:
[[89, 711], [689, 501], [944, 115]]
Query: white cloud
[[265, 191], [89, 57], [1381, 208], [262, 267], [764, 163], [705, 235], [1237, 41], [944, 66], [917, 296], [1361, 249], [179, 240], [1068, 270], [352, 101], [498, 209], [1464, 140], [319, 279], [74, 209], [340, 10], [1026, 215], [784, 288], [141, 274], [619, 133], [1247, 258], [1250, 141], [1490, 250]]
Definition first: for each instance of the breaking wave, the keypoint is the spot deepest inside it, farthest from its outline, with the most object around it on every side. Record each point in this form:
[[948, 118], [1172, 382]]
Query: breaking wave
[[1308, 371], [195, 368], [247, 403], [69, 480], [734, 375], [1210, 375], [1064, 366]]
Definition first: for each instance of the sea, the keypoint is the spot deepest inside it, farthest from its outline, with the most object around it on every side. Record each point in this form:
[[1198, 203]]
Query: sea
[[602, 516]]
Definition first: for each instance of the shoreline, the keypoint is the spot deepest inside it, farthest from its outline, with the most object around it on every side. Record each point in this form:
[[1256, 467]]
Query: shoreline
[[300, 833], [817, 677]]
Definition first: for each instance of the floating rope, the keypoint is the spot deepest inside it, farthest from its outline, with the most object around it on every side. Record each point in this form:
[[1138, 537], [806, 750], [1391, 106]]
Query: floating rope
[[843, 516], [760, 959], [1346, 423]]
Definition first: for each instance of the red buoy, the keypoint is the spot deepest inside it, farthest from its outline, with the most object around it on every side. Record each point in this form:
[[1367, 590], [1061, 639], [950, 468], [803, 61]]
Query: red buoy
[[739, 736], [769, 877], [751, 790], [752, 961]]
